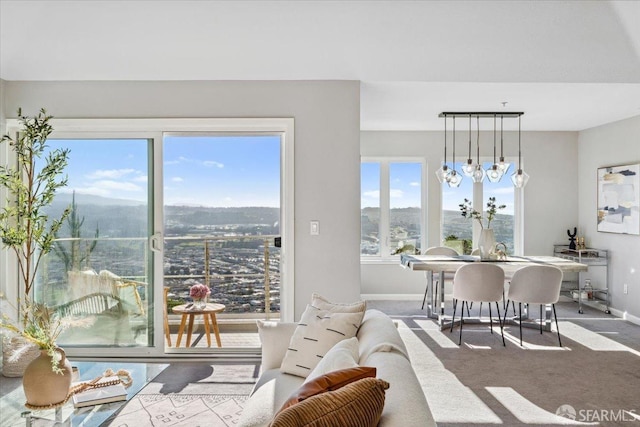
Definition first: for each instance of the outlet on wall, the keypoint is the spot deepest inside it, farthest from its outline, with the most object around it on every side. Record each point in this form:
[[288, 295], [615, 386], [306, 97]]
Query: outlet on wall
[[624, 289]]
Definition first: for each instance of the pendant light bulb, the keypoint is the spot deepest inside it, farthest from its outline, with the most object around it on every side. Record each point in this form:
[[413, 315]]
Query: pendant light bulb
[[469, 168], [504, 167], [455, 179], [494, 174], [519, 177], [443, 173]]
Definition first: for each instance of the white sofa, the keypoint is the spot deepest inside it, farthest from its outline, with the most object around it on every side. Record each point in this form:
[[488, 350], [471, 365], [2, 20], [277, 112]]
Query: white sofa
[[380, 346]]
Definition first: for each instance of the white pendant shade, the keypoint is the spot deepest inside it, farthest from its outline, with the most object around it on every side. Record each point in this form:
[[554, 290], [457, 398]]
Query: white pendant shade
[[519, 178], [443, 174], [455, 179], [494, 174]]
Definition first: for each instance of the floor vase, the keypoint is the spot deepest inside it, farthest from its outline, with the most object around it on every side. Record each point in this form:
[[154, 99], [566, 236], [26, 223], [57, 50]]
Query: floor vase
[[42, 386], [486, 243]]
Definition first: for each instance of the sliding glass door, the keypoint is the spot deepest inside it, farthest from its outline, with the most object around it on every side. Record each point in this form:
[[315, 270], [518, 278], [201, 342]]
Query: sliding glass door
[[99, 272]]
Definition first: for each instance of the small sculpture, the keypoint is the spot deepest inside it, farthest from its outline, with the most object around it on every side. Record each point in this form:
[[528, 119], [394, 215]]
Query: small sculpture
[[572, 238], [501, 254]]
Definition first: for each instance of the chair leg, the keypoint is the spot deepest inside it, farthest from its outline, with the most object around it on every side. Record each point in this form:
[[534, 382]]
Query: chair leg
[[425, 295], [520, 321], [480, 313], [558, 329], [513, 305], [468, 315], [455, 303], [504, 321], [461, 321], [540, 319], [490, 317], [501, 324]]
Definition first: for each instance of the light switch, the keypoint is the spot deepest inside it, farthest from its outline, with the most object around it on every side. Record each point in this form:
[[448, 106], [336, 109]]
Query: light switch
[[315, 228]]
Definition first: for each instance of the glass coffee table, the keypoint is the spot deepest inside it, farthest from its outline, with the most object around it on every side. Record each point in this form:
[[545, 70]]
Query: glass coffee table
[[15, 414]]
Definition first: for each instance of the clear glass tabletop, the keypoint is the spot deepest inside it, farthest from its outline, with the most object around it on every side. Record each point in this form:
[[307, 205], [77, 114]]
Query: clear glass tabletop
[[15, 414]]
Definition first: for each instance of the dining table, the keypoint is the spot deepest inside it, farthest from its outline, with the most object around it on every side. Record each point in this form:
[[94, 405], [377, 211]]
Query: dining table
[[439, 265]]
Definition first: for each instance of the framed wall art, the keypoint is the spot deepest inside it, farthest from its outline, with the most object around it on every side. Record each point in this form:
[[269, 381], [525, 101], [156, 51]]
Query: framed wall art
[[619, 199]]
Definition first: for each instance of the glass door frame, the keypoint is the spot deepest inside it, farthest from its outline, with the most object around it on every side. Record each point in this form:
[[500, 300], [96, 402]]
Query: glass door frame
[[153, 130]]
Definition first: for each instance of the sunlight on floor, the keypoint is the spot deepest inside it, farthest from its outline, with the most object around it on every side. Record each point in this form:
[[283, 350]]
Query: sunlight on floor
[[527, 412], [439, 385], [592, 340]]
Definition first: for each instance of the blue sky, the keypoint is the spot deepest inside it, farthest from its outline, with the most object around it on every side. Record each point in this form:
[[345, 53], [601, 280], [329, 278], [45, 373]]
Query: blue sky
[[198, 171]]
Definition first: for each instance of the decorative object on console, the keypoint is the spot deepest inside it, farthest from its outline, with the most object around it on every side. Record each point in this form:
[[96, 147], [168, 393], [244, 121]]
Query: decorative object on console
[[619, 199], [572, 238]]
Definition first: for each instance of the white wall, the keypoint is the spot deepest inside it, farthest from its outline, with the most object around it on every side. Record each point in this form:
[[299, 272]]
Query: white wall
[[550, 202], [327, 152], [615, 143]]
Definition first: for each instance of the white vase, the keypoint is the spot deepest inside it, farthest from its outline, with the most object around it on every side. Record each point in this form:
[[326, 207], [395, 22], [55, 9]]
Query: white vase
[[486, 243]]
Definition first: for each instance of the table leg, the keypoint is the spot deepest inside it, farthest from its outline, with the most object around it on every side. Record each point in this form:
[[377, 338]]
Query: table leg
[[181, 328], [216, 330], [206, 329], [190, 329]]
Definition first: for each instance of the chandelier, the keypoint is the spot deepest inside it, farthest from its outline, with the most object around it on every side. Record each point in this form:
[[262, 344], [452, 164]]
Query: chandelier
[[475, 171]]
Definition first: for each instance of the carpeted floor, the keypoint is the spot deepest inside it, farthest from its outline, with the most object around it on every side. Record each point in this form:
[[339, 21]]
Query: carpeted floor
[[190, 394], [593, 378]]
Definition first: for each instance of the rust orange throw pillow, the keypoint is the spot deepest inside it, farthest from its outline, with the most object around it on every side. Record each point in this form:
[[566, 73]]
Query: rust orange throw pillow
[[328, 382]]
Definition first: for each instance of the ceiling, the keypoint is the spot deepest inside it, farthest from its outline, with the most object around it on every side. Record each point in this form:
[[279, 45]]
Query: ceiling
[[569, 65]]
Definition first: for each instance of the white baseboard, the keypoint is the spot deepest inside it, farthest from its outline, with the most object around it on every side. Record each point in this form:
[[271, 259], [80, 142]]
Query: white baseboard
[[393, 297], [630, 318]]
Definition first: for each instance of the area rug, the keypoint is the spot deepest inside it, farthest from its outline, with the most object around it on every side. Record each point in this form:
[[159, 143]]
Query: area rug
[[193, 410], [190, 394]]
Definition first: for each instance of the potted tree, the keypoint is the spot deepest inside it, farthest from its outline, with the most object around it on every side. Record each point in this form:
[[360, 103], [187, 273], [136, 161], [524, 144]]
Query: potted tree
[[27, 230]]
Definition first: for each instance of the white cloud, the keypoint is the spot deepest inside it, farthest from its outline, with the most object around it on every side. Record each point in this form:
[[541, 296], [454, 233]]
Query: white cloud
[[109, 185], [213, 163], [373, 194], [394, 193], [414, 184], [177, 179], [141, 178], [110, 173]]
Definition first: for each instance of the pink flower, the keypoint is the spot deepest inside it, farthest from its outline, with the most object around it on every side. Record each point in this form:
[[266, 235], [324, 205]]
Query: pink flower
[[199, 291]]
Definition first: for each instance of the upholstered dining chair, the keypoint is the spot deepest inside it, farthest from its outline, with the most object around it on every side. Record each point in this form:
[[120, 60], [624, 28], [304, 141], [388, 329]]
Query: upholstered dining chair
[[536, 284], [438, 250], [481, 282]]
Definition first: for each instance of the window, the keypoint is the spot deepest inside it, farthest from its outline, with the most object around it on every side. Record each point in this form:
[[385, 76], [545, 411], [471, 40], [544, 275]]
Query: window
[[392, 207], [504, 225]]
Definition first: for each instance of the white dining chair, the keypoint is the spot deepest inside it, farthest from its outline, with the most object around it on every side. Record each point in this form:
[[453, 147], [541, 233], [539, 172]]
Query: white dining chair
[[536, 284], [481, 282], [438, 250]]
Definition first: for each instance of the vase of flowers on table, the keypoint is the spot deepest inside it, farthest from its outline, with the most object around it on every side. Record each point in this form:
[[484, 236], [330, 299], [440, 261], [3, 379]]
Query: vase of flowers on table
[[487, 240], [199, 293]]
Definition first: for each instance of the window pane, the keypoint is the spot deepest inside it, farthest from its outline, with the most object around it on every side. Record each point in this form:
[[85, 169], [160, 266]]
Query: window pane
[[99, 268], [222, 214], [370, 208], [406, 207], [454, 225], [503, 223]]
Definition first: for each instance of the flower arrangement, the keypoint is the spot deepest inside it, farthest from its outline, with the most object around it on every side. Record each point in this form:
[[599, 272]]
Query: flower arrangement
[[199, 291], [467, 211], [42, 327]]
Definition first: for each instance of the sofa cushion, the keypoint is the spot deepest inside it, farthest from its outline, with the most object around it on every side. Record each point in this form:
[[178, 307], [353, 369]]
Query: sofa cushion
[[379, 333], [329, 382], [317, 331], [272, 335], [322, 303], [343, 355], [358, 404]]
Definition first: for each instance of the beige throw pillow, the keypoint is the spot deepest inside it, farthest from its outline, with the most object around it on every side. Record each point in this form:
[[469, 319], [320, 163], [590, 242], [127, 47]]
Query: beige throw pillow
[[317, 332]]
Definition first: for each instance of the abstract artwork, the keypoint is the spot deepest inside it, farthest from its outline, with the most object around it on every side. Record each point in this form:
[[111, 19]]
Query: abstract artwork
[[619, 199]]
